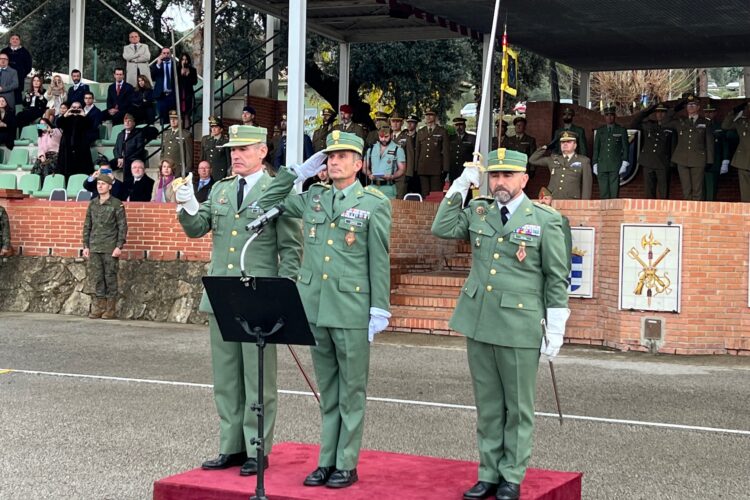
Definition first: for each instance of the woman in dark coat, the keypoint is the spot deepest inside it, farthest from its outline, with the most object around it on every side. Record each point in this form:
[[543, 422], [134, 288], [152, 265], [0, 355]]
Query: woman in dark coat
[[7, 124], [187, 79], [143, 109], [75, 155], [34, 103]]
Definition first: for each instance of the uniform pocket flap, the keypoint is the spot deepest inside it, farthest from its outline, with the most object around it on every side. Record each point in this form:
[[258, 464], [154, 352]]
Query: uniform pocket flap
[[221, 209], [483, 229], [525, 239], [315, 218], [470, 288], [519, 301], [353, 225], [355, 285], [304, 276]]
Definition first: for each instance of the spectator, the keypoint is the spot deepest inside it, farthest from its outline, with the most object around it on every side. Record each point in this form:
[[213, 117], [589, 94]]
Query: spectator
[[136, 55], [187, 79], [248, 116], [143, 101], [7, 124], [131, 145], [204, 182], [162, 190], [56, 93], [20, 60], [163, 74], [118, 188], [8, 81], [6, 250], [49, 146], [140, 186], [74, 156], [279, 158], [119, 97], [212, 150], [56, 116], [77, 91], [95, 116], [34, 103], [104, 232]]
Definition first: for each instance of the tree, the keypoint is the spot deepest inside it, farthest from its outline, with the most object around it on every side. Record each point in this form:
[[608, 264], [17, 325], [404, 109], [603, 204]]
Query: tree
[[628, 90]]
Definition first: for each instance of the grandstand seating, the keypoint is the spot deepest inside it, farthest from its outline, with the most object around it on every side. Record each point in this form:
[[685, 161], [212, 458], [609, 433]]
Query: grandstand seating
[[51, 182], [18, 159], [29, 183], [75, 184], [8, 181], [29, 135]]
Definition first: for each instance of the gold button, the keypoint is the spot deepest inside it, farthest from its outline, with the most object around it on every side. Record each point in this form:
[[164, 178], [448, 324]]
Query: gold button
[[234, 233], [330, 242], [356, 289], [493, 272], [520, 305], [325, 276], [231, 249], [236, 216], [480, 231], [496, 256], [230, 266], [489, 288], [499, 240], [333, 224], [327, 258]]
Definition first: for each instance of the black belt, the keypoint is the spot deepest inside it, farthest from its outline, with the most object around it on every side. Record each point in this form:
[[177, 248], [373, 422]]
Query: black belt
[[382, 183]]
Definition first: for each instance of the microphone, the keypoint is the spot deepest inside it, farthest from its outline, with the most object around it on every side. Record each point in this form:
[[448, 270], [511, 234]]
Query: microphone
[[258, 224]]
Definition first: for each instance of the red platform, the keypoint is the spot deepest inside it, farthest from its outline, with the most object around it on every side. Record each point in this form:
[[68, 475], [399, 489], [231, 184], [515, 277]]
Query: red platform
[[381, 475]]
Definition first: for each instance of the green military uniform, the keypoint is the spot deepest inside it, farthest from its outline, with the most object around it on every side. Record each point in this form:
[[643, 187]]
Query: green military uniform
[[432, 155], [213, 152], [320, 134], [408, 141], [276, 252], [581, 147], [104, 229], [170, 148], [381, 119], [610, 150], [4, 232], [518, 269], [658, 144], [693, 151], [461, 149], [525, 144], [741, 159], [351, 128], [383, 162], [344, 273], [721, 154], [570, 178]]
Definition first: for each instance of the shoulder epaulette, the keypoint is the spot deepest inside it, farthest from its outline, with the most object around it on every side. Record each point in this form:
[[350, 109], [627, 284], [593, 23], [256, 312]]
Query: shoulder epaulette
[[228, 178], [374, 191], [546, 208], [484, 199]]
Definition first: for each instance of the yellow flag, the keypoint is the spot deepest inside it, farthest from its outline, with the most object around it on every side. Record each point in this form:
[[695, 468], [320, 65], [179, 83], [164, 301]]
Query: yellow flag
[[509, 81]]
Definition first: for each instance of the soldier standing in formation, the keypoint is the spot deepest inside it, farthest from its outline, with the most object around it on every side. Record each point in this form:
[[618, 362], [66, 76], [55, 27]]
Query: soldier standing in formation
[[411, 181], [461, 148], [739, 120], [105, 229], [570, 172], [567, 117], [658, 144], [381, 119], [344, 288], [248, 116], [522, 142], [385, 162], [432, 154], [518, 279], [503, 135], [610, 155], [171, 143], [346, 124], [231, 205], [320, 134], [402, 138], [212, 149], [720, 165], [6, 250]]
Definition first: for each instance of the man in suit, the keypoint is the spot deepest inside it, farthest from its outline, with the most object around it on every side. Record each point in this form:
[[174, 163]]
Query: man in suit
[[19, 58], [739, 121], [461, 148], [522, 142], [204, 182], [130, 145], [345, 288], [95, 116], [140, 186], [432, 154], [77, 91], [695, 146], [567, 118], [518, 279], [279, 152], [163, 75], [8, 82], [570, 172], [610, 154], [231, 205], [119, 97], [658, 144], [137, 56], [212, 149]]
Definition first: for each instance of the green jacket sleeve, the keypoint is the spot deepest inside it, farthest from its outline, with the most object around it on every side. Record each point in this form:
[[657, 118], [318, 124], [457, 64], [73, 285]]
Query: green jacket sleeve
[[289, 244], [378, 243], [122, 226], [625, 144], [538, 159], [87, 228], [278, 192], [196, 226], [554, 265], [451, 221], [597, 146]]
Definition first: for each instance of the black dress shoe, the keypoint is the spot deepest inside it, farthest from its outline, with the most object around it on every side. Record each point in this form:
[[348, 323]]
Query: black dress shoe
[[225, 461], [508, 491], [250, 468], [342, 478], [319, 477], [482, 489]]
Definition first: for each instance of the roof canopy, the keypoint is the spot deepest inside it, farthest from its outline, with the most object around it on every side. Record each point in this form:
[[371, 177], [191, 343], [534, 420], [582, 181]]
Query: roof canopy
[[589, 35]]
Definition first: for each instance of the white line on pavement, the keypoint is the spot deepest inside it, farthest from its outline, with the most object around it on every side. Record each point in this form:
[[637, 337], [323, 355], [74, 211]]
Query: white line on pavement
[[431, 404]]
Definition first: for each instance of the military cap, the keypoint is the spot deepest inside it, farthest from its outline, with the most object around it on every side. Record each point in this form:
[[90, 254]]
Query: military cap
[[327, 111], [567, 136], [343, 141], [384, 128], [173, 113], [709, 107], [506, 160], [105, 178], [569, 111], [396, 116], [610, 110], [214, 122], [692, 99], [249, 109], [459, 119], [661, 107], [381, 115], [345, 108], [497, 122], [544, 192], [429, 111], [519, 119], [412, 118], [245, 135]]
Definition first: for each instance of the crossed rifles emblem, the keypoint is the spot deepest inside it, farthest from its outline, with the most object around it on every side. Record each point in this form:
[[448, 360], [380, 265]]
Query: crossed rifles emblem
[[649, 277]]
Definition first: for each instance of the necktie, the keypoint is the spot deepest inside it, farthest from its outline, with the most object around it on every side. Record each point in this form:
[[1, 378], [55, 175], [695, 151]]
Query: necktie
[[167, 75], [127, 133], [241, 192], [504, 215], [337, 202], [118, 88]]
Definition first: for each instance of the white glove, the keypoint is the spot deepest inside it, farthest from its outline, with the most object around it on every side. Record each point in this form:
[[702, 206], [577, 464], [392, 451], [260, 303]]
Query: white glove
[[311, 166], [185, 197], [724, 167], [469, 176], [596, 169], [624, 167], [378, 322], [555, 331]]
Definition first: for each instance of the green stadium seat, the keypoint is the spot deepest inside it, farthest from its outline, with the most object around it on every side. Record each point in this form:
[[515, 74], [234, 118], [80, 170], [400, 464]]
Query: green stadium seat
[[29, 135], [29, 183], [7, 181], [51, 182], [112, 139], [19, 157], [75, 184]]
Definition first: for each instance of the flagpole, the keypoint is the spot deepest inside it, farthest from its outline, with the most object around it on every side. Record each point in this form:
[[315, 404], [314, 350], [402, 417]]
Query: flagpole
[[486, 84], [502, 94]]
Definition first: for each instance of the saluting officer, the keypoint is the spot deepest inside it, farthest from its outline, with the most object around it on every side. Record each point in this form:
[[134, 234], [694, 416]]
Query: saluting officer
[[212, 150], [739, 120], [694, 149], [610, 154], [518, 279], [570, 172], [432, 154], [658, 144], [461, 148], [720, 165], [567, 118], [231, 205], [171, 143], [344, 289], [522, 142], [320, 134]]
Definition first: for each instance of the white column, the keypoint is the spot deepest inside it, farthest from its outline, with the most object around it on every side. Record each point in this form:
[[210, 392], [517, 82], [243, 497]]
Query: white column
[[489, 122], [746, 79], [295, 104], [272, 73], [77, 17], [584, 89], [344, 58], [208, 63]]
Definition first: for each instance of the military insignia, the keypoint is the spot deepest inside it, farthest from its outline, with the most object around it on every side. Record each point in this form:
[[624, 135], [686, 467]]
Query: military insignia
[[521, 253], [480, 210], [350, 238], [312, 232], [336, 136], [530, 230], [478, 242], [316, 208], [316, 198], [222, 201], [234, 130]]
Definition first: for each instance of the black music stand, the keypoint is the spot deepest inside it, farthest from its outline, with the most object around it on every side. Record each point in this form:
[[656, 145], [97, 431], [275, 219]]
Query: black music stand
[[264, 311]]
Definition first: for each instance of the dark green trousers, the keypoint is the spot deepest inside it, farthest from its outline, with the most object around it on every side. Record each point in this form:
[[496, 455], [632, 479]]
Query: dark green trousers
[[691, 179], [609, 184], [102, 271], [656, 182]]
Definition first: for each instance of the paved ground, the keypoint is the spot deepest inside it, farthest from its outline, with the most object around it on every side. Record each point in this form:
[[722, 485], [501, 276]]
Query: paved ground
[[75, 437]]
